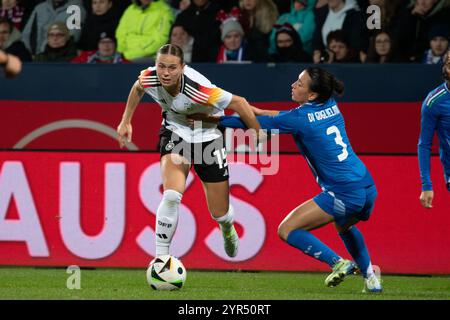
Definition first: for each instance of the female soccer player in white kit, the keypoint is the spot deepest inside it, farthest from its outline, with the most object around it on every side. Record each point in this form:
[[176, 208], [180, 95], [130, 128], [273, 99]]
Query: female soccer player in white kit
[[180, 91]]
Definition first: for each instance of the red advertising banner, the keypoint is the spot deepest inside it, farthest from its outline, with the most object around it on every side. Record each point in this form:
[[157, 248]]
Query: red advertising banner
[[372, 127], [98, 209]]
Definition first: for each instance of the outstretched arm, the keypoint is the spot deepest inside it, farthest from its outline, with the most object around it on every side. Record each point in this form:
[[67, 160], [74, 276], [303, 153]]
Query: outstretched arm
[[125, 129], [262, 112], [242, 107], [284, 122]]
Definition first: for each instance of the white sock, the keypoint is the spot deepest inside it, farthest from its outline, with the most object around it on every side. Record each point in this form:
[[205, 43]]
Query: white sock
[[166, 220], [370, 271], [226, 221]]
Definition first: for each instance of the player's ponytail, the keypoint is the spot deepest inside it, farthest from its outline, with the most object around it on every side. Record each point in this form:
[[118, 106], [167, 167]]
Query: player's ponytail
[[338, 86], [324, 84]]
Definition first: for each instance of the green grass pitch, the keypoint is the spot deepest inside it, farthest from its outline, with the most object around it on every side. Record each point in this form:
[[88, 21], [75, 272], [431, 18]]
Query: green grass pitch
[[50, 283]]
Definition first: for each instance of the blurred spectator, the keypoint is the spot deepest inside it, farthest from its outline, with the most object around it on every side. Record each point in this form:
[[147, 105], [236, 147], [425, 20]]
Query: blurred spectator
[[439, 44], [301, 17], [143, 29], [234, 47], [60, 45], [180, 37], [106, 53], [28, 7], [414, 24], [44, 15], [10, 40], [12, 11], [104, 17], [257, 19], [382, 49], [199, 20], [338, 49], [120, 5], [288, 45], [283, 6], [339, 15], [389, 13], [320, 4], [178, 5], [227, 5]]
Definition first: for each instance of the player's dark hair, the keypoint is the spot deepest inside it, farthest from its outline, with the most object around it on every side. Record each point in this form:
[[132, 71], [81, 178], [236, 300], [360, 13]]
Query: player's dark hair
[[173, 50], [324, 84]]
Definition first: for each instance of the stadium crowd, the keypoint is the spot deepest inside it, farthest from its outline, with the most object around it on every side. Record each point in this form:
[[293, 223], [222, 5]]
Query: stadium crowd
[[226, 31]]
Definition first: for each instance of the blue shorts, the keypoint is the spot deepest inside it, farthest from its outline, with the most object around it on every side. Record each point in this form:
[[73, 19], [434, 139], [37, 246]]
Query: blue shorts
[[346, 205]]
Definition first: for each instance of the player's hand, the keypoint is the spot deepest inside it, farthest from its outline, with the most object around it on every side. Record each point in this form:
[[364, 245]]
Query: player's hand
[[426, 199], [331, 55], [124, 131], [13, 65]]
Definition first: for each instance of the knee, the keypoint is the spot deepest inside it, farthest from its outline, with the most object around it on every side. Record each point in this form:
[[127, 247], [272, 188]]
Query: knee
[[172, 197], [283, 231]]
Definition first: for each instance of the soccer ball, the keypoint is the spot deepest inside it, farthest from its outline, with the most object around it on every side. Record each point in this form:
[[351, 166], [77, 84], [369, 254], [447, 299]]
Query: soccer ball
[[166, 273]]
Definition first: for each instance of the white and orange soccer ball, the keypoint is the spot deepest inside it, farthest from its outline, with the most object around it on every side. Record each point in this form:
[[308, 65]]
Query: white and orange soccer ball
[[166, 273]]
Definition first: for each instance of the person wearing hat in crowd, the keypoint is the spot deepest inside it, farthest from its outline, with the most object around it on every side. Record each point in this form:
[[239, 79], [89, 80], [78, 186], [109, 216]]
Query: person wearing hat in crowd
[[414, 24], [60, 45], [199, 20], [234, 47], [106, 53], [44, 15], [103, 17], [289, 47], [439, 44], [301, 18]]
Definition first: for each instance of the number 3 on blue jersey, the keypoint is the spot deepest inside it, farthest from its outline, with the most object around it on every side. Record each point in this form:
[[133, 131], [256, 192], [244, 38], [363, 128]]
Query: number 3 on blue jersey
[[339, 141]]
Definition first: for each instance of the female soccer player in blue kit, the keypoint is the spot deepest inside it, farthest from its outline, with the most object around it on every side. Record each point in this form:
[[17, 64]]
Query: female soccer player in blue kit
[[435, 116], [349, 191]]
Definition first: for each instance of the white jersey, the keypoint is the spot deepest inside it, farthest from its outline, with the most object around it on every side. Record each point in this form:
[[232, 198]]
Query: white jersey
[[197, 95]]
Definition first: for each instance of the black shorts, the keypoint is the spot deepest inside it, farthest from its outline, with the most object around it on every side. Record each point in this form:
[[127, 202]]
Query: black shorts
[[208, 158]]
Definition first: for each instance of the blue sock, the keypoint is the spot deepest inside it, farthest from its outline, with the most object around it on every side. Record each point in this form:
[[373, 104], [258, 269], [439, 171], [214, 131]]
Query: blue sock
[[354, 242], [313, 247]]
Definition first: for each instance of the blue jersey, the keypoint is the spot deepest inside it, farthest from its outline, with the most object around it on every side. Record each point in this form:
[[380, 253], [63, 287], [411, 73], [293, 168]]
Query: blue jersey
[[319, 132], [435, 116]]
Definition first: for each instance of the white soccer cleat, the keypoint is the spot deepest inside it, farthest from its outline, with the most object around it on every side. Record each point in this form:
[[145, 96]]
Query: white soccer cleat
[[231, 242], [372, 284]]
